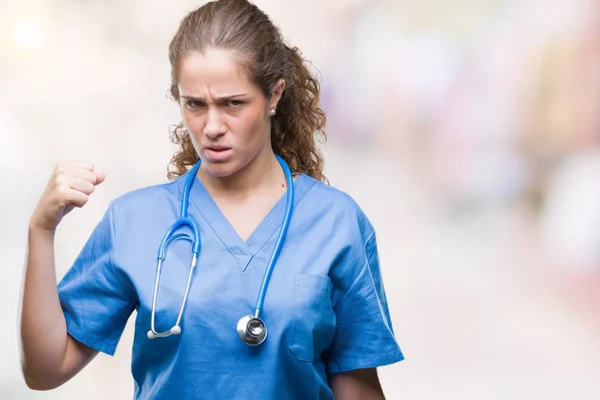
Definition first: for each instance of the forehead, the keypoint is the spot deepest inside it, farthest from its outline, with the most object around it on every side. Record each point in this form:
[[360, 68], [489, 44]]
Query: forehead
[[214, 70]]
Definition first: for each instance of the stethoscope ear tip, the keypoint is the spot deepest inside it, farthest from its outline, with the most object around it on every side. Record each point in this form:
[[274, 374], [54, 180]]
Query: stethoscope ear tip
[[176, 330]]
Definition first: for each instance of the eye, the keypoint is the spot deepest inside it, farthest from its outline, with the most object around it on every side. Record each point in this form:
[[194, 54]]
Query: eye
[[234, 103], [194, 104]]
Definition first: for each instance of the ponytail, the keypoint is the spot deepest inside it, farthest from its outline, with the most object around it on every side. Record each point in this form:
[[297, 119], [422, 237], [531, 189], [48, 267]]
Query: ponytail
[[299, 121]]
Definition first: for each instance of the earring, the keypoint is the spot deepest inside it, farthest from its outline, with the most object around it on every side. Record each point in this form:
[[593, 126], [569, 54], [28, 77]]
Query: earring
[[272, 112]]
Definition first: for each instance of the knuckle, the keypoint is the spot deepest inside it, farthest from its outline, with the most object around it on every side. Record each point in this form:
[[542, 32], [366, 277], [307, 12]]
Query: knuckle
[[86, 165], [90, 177], [61, 166], [56, 187], [62, 191], [60, 179]]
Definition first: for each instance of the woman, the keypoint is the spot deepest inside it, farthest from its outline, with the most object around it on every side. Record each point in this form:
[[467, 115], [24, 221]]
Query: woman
[[249, 110]]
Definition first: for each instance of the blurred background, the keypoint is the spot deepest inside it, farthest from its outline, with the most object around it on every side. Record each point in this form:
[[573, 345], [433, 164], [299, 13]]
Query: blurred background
[[468, 131]]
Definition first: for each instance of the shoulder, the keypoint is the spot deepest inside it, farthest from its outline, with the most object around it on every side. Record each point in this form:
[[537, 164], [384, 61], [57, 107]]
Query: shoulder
[[338, 207], [345, 235], [147, 199]]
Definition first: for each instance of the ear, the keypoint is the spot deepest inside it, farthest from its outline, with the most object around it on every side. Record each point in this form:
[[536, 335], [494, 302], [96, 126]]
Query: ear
[[276, 94]]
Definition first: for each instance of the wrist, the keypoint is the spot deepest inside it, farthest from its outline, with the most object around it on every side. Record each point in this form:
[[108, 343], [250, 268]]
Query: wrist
[[36, 229]]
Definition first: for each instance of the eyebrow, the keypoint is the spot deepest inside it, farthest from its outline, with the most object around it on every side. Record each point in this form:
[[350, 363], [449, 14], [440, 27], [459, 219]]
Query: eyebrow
[[218, 98]]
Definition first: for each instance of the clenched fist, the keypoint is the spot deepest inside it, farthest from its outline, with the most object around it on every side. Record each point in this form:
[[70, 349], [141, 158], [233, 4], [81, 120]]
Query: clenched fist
[[71, 184]]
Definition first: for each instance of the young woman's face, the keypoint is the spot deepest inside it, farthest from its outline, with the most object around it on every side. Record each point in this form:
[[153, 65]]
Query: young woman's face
[[226, 114]]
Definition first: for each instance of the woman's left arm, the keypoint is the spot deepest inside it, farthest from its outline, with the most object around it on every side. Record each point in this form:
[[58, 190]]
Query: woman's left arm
[[359, 384]]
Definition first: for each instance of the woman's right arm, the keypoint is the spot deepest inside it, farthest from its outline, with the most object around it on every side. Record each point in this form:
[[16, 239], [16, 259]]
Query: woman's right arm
[[49, 355]]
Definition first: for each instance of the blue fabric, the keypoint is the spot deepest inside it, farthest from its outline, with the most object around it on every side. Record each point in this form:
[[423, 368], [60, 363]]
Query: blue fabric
[[325, 308]]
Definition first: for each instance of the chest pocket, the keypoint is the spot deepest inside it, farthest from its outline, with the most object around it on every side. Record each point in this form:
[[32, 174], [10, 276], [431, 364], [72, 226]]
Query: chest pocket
[[314, 319]]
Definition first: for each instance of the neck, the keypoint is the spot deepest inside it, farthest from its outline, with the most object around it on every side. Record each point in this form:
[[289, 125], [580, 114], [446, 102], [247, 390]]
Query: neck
[[261, 173]]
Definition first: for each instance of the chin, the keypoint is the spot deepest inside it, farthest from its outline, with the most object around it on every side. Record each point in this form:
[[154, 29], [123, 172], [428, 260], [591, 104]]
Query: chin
[[221, 170]]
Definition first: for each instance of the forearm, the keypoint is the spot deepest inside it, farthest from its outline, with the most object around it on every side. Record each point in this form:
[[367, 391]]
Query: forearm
[[358, 394], [43, 326], [362, 384], [49, 355]]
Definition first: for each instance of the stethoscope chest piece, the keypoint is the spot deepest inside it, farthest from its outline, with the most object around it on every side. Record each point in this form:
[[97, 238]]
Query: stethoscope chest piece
[[252, 330]]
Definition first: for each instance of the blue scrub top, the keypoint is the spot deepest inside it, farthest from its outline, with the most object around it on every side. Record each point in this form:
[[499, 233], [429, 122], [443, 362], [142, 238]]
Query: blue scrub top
[[325, 307]]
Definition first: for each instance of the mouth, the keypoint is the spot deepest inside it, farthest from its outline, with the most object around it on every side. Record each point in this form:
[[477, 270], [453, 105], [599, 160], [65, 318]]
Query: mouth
[[217, 148], [217, 153]]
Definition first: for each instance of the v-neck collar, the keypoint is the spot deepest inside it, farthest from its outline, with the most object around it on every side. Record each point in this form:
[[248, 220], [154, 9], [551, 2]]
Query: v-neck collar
[[243, 251]]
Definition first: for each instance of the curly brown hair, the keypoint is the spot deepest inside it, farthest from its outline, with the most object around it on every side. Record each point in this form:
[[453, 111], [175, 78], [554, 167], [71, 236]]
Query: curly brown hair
[[242, 28]]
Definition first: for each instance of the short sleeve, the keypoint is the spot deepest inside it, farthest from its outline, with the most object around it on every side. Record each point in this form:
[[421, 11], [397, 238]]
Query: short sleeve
[[95, 299], [364, 337]]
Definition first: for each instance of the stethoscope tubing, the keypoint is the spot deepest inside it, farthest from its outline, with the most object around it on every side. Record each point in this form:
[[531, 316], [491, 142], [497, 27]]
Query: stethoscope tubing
[[284, 227], [170, 236]]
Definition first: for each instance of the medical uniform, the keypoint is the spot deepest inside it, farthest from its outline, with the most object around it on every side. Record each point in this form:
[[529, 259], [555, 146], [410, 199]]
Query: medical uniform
[[325, 306]]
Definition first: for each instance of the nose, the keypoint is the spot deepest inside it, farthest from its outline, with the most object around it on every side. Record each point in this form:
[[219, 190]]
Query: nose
[[214, 125]]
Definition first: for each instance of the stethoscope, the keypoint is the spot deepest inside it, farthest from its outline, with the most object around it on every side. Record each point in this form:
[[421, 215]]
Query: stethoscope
[[250, 328]]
